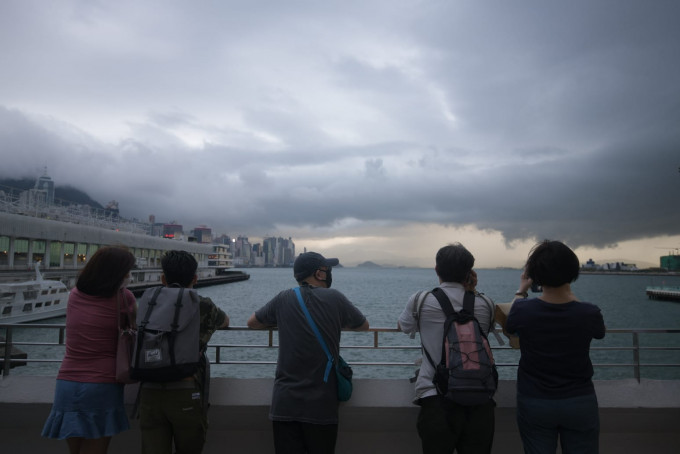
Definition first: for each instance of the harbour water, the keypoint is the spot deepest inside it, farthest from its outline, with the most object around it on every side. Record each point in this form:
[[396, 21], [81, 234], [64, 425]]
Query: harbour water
[[381, 294]]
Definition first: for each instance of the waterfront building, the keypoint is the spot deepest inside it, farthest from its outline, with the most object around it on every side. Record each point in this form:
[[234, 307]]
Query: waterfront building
[[670, 262], [25, 240], [620, 266], [172, 231], [590, 265], [203, 234], [63, 236]]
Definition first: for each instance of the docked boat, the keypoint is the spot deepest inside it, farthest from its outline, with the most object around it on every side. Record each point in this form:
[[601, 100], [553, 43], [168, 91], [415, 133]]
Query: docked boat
[[29, 301], [663, 293]]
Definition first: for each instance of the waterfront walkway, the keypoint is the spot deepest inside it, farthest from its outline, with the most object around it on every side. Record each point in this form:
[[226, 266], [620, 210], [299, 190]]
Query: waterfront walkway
[[379, 419]]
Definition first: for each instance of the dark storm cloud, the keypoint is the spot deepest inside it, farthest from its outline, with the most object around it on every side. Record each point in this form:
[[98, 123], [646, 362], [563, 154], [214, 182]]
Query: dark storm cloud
[[536, 120]]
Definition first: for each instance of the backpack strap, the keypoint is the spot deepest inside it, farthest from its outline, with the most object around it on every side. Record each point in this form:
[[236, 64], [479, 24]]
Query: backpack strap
[[469, 304], [450, 313], [150, 307], [310, 320], [492, 321], [418, 307], [175, 325], [142, 326], [444, 302]]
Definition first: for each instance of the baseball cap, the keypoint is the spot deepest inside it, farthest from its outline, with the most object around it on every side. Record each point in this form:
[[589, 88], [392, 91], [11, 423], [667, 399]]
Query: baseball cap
[[308, 262]]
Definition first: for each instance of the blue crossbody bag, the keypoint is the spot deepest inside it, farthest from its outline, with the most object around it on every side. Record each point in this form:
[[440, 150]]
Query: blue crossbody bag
[[342, 370]]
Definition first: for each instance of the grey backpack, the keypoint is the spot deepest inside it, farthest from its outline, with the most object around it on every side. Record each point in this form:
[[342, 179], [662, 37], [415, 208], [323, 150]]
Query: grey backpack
[[167, 344]]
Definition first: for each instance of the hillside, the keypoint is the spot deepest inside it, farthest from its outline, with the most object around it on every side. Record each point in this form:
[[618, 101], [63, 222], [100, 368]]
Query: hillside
[[64, 193]]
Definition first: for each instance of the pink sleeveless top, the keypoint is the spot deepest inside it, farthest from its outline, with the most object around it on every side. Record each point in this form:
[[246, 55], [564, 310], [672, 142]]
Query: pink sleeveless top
[[92, 337]]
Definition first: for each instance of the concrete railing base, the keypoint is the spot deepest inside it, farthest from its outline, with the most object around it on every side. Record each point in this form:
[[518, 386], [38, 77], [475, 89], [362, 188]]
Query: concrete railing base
[[379, 418]]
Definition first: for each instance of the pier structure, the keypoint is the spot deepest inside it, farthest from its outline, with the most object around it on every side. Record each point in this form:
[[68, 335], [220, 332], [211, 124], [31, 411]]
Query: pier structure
[[664, 293]]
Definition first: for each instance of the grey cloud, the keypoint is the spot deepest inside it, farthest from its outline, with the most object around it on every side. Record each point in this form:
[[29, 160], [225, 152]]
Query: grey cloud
[[565, 114]]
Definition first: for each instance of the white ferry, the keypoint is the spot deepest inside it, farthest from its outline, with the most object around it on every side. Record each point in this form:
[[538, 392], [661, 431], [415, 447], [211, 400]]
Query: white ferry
[[29, 301]]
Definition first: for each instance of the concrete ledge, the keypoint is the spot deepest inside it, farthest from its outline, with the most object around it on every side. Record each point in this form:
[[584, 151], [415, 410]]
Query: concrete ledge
[[369, 393], [380, 418]]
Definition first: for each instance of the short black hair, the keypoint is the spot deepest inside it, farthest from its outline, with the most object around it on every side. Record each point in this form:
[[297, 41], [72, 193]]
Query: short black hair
[[454, 263], [179, 267], [552, 263]]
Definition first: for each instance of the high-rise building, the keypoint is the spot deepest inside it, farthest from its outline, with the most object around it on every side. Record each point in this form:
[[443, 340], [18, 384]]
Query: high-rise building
[[172, 231], [203, 234], [278, 251], [45, 183], [242, 251]]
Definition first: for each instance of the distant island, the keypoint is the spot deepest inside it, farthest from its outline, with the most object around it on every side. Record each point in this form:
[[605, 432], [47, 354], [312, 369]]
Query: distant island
[[369, 264]]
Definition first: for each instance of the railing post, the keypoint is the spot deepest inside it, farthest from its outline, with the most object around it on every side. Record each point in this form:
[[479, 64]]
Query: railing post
[[636, 356], [271, 337], [8, 351], [375, 339]]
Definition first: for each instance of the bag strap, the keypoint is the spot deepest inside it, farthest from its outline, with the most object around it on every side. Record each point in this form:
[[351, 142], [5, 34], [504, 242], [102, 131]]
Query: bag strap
[[310, 320], [418, 307], [469, 303], [450, 313], [142, 326], [118, 311], [175, 325], [492, 321], [444, 302], [127, 309], [150, 306]]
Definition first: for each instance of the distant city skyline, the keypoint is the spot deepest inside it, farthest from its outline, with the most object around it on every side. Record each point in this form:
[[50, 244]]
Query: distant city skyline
[[268, 250]]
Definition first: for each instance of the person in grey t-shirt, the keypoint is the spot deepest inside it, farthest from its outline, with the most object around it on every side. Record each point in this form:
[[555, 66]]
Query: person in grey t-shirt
[[304, 408]]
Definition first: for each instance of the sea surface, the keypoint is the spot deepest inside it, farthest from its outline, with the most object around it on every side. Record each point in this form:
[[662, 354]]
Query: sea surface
[[381, 294]]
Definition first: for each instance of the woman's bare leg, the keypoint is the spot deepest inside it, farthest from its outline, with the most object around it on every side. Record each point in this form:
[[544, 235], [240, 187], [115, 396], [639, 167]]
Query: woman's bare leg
[[79, 445]]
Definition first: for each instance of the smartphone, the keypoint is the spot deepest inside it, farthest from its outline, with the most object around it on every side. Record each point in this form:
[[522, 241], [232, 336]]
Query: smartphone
[[469, 280]]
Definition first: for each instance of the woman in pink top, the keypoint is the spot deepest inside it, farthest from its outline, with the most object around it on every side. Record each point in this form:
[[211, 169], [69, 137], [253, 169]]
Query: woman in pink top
[[88, 403]]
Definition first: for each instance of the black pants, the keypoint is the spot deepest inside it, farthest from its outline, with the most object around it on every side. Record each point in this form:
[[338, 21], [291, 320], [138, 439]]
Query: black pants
[[293, 437], [444, 426]]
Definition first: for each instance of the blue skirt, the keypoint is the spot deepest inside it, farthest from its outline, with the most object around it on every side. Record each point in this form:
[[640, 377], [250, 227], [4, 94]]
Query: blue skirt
[[87, 410]]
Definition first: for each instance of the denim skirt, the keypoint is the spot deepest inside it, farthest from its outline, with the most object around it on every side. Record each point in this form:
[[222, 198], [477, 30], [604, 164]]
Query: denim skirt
[[87, 410]]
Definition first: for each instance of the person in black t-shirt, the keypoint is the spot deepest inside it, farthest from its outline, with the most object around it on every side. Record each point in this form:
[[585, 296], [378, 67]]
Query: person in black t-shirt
[[555, 393]]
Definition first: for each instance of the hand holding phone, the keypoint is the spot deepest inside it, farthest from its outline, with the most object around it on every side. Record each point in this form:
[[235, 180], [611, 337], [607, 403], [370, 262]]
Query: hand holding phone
[[471, 281]]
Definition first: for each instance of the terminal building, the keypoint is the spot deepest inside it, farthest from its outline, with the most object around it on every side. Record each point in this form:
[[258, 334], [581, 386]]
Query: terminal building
[[33, 229]]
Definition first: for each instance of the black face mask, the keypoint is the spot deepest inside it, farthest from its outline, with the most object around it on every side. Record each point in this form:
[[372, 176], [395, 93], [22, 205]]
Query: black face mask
[[329, 278]]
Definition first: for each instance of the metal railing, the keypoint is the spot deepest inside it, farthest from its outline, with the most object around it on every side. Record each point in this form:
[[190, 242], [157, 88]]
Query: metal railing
[[374, 344]]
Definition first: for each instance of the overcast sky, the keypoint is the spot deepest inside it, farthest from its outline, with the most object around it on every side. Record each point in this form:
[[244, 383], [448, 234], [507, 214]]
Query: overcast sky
[[368, 130]]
